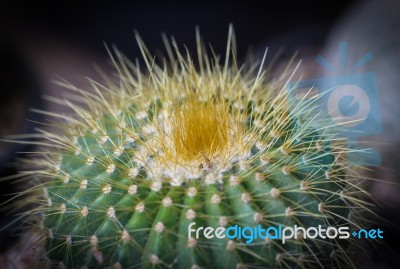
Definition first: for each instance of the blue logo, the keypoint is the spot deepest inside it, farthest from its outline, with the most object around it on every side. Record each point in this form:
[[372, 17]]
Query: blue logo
[[368, 234], [347, 103]]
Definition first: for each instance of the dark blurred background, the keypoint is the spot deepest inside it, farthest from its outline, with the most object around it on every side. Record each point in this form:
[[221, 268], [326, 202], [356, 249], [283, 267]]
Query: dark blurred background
[[40, 41]]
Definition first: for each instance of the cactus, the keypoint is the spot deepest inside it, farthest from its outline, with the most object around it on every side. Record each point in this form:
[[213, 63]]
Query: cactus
[[151, 154]]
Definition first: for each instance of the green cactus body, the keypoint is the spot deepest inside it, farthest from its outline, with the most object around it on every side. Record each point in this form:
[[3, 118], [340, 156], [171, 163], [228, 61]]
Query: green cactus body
[[216, 147]]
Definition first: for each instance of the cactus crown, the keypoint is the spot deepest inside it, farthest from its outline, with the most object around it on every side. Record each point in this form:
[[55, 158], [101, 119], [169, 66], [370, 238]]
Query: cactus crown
[[200, 129], [151, 152]]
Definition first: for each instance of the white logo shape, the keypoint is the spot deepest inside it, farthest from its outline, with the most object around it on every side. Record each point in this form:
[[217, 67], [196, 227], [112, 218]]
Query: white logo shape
[[359, 96]]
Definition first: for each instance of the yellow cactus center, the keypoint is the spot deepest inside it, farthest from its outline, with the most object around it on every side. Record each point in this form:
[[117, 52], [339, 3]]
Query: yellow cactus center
[[200, 129]]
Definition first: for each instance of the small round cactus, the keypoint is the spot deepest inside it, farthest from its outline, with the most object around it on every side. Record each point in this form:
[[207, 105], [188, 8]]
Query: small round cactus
[[153, 154]]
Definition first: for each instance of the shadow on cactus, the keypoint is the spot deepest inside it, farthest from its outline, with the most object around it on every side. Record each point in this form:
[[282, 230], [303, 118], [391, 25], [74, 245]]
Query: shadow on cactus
[[150, 152]]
